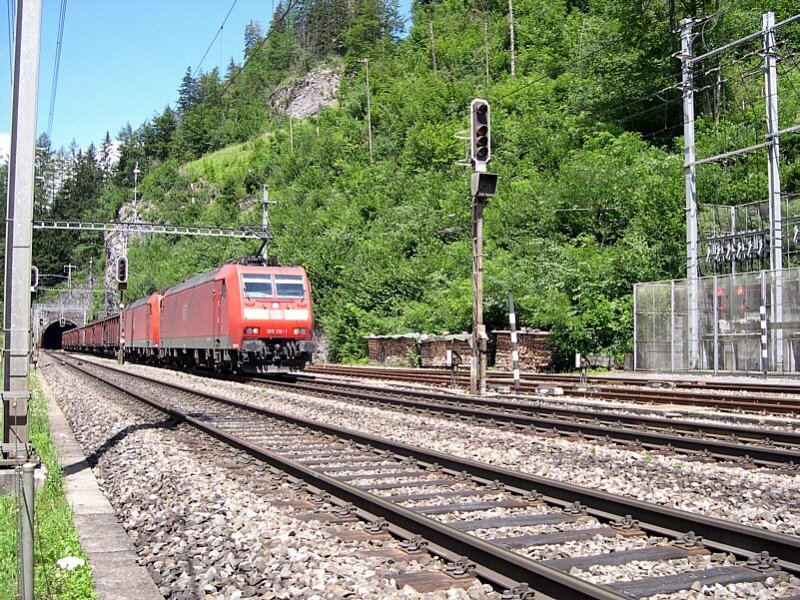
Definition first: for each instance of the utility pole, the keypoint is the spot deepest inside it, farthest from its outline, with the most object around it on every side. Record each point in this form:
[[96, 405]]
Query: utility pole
[[365, 61], [19, 273], [265, 202], [511, 36], [486, 48], [690, 174], [774, 183], [69, 268], [291, 135], [19, 234], [136, 172], [433, 46]]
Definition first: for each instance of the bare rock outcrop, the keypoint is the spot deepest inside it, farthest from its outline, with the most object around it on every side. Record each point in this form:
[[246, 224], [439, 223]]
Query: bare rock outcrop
[[309, 95]]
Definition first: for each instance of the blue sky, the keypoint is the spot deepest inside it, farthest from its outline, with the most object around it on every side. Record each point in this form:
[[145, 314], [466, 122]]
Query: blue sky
[[123, 60]]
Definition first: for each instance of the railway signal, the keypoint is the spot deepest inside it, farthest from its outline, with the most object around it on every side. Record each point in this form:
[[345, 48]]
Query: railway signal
[[34, 278], [122, 270], [480, 134], [482, 185]]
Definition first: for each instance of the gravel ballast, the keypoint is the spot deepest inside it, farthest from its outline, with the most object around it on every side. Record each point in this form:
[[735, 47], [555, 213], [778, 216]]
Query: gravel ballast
[[760, 497], [202, 515], [757, 497]]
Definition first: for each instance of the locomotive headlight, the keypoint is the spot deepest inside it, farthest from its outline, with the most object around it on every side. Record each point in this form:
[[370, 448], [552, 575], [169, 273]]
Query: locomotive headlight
[[300, 330], [250, 330]]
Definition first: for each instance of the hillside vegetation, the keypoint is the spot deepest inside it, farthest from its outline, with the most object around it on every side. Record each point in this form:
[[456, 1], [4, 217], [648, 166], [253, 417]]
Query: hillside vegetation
[[586, 140]]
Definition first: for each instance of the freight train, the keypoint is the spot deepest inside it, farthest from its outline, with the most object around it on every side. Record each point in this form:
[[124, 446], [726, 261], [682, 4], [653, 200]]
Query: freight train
[[243, 316]]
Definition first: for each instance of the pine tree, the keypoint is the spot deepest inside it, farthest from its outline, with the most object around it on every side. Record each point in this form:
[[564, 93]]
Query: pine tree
[[107, 157], [156, 135], [43, 189], [253, 34], [188, 93]]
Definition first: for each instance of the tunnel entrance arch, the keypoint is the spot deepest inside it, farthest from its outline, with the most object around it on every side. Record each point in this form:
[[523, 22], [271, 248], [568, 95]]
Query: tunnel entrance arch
[[49, 321], [51, 335]]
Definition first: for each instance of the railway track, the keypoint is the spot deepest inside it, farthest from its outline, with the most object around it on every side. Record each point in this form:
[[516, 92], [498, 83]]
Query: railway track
[[772, 398], [498, 519], [701, 441]]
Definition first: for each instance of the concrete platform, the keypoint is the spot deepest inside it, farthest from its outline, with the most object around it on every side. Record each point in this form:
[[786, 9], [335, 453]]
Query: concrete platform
[[116, 574]]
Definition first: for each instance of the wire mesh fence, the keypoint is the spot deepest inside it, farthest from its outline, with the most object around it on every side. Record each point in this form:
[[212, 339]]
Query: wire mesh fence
[[744, 322]]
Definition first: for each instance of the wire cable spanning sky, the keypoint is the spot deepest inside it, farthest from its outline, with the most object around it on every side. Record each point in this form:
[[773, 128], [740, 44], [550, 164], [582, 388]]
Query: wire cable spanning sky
[[122, 62]]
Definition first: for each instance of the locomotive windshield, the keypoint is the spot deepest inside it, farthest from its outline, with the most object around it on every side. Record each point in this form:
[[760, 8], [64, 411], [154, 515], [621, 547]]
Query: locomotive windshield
[[289, 286], [257, 286]]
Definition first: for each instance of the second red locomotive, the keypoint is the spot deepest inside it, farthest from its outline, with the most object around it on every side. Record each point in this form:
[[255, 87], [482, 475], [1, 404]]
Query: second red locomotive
[[239, 317]]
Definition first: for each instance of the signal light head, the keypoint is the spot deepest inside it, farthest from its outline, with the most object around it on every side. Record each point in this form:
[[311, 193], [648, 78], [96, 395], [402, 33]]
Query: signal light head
[[34, 278], [122, 270], [480, 141]]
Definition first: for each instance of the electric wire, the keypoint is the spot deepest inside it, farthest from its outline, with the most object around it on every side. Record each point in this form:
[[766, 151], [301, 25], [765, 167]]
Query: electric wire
[[10, 10], [263, 41], [566, 68], [59, 43], [788, 80], [214, 39], [576, 61]]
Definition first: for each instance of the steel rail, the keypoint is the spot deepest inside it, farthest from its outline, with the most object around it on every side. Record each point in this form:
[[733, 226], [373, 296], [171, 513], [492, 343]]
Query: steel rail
[[581, 415], [692, 397], [719, 534], [742, 434], [493, 559], [699, 385], [720, 448]]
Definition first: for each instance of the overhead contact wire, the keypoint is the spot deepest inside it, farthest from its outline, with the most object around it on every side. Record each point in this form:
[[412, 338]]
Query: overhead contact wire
[[260, 45], [214, 39], [59, 43], [10, 40]]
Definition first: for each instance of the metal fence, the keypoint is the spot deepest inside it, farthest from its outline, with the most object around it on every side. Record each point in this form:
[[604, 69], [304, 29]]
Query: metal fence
[[746, 322]]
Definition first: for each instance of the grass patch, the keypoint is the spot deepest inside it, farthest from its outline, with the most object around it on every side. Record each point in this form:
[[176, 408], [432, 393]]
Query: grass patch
[[55, 535]]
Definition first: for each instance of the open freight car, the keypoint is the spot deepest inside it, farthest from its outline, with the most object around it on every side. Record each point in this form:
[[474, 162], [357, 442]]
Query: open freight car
[[100, 337]]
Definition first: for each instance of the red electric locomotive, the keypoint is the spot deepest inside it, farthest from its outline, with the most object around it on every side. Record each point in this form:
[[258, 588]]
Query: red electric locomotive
[[241, 316]]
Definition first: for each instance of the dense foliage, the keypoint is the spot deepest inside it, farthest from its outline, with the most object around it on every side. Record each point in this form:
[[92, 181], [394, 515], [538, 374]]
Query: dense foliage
[[586, 142]]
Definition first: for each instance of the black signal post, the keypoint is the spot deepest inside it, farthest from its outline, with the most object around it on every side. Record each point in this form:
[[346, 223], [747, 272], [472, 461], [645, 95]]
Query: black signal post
[[482, 185], [122, 284]]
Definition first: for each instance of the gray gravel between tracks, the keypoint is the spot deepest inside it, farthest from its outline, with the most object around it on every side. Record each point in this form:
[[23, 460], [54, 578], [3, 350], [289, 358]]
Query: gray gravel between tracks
[[752, 496], [201, 517], [757, 497]]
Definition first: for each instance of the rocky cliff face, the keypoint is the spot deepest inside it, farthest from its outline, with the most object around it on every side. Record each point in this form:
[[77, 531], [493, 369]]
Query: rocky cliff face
[[116, 243], [309, 95]]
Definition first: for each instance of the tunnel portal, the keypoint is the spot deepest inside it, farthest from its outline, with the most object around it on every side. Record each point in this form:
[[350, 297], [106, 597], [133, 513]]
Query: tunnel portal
[[51, 337]]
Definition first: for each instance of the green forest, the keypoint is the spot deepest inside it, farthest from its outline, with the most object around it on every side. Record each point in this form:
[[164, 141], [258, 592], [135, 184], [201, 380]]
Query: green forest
[[586, 140]]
